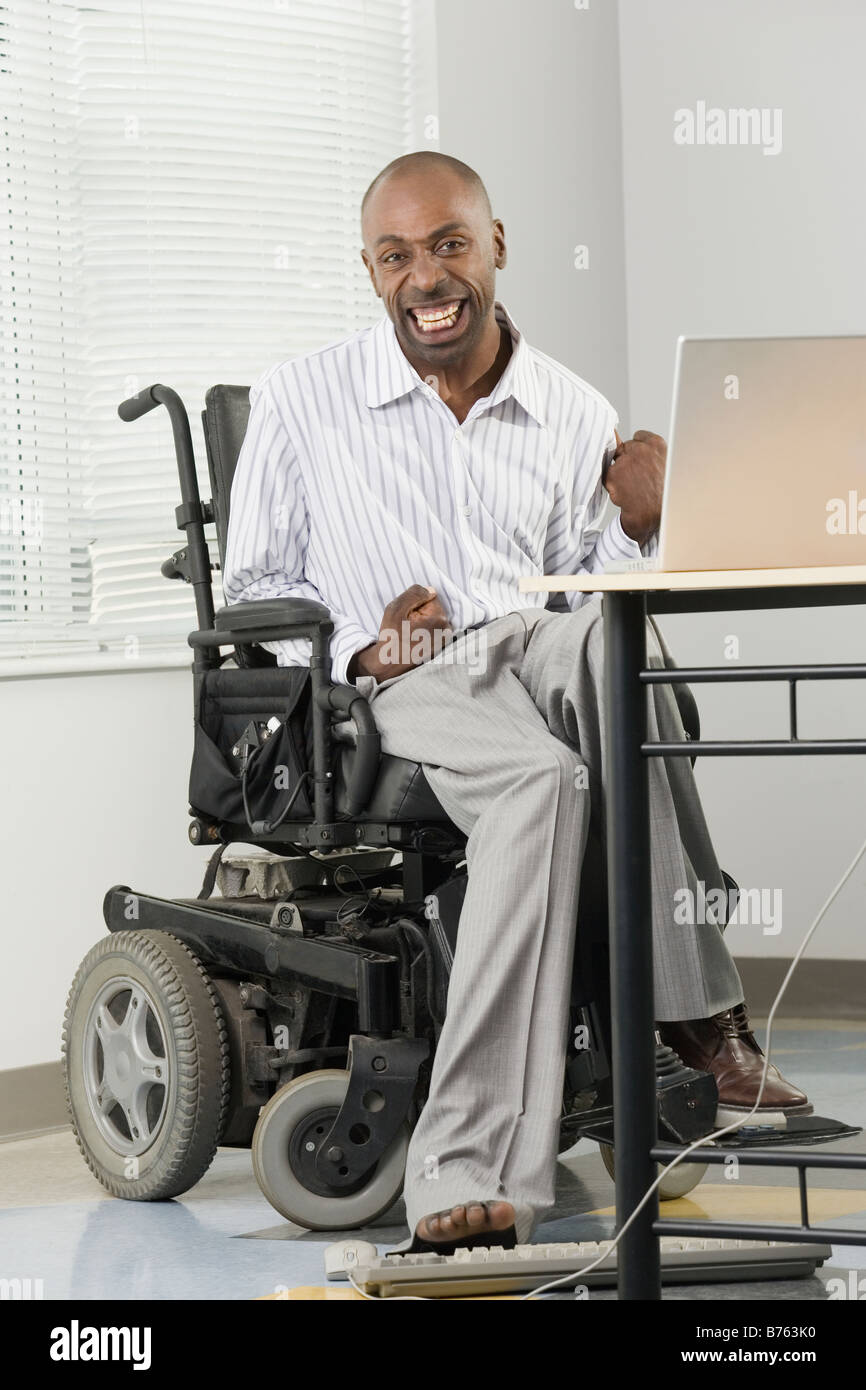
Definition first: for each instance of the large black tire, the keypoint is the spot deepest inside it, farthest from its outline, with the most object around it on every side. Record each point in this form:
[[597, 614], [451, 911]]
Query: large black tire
[[146, 1065]]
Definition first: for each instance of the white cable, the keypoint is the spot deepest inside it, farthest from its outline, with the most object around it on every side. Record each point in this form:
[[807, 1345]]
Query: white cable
[[737, 1124], [377, 1298]]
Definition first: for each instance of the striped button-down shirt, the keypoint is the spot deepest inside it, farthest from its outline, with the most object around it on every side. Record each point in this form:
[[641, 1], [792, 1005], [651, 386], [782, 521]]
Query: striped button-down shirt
[[355, 481]]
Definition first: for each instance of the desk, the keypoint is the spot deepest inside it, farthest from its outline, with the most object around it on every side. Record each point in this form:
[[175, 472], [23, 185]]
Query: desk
[[627, 600]]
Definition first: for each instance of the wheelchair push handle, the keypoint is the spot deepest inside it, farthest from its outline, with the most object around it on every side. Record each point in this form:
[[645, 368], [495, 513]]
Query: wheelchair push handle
[[148, 399], [131, 409], [190, 515]]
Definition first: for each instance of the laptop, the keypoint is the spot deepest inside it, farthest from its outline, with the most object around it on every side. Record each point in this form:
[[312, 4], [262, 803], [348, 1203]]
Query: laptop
[[766, 462]]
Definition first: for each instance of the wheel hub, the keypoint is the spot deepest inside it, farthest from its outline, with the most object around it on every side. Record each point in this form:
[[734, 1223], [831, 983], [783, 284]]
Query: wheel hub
[[125, 1066], [304, 1146]]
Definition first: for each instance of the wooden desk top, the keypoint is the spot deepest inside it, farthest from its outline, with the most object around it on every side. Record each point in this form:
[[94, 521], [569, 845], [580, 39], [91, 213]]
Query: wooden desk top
[[635, 581]]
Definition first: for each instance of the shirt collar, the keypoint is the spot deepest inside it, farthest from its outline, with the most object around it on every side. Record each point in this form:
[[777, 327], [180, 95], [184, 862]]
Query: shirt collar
[[389, 374]]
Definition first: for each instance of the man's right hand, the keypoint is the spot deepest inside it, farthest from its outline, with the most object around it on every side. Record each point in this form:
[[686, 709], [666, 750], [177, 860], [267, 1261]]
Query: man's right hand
[[414, 628]]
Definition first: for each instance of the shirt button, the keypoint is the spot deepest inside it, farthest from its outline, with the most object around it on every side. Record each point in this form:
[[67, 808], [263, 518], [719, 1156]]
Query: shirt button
[[467, 511]]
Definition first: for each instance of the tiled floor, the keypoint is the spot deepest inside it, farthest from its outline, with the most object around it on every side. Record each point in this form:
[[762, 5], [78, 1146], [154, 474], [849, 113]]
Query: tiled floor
[[222, 1239]]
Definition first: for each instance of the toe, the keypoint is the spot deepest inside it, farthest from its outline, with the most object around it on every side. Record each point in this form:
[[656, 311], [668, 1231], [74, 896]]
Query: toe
[[500, 1215], [457, 1222], [446, 1224]]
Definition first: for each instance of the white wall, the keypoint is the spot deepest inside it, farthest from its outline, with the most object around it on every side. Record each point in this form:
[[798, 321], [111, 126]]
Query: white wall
[[95, 786], [529, 97], [727, 240]]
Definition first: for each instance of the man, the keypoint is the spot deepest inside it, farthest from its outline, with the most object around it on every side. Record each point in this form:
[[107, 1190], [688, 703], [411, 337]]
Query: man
[[407, 477]]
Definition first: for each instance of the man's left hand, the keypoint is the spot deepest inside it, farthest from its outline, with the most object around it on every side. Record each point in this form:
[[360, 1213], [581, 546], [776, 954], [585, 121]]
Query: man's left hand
[[635, 480]]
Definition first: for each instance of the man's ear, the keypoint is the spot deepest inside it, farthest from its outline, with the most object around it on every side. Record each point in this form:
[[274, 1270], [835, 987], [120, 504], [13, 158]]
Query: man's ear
[[500, 255], [371, 271]]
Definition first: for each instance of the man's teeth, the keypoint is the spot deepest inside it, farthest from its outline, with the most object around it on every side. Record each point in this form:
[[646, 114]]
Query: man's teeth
[[445, 317]]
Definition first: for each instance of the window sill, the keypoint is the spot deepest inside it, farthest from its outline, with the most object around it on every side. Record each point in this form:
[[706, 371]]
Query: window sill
[[93, 663]]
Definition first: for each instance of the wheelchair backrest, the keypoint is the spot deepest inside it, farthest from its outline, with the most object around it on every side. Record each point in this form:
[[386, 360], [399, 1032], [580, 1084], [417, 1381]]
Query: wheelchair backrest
[[225, 418]]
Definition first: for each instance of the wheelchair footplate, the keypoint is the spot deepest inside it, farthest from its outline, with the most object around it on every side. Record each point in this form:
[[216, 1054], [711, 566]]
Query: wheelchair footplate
[[799, 1131], [687, 1103]]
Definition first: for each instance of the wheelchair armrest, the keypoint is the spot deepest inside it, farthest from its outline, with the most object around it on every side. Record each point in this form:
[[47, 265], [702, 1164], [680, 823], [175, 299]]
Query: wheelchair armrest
[[270, 612], [271, 619], [264, 620], [351, 704]]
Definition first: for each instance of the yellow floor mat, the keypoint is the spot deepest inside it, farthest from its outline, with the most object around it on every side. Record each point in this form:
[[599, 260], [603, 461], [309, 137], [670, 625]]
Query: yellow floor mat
[[733, 1201]]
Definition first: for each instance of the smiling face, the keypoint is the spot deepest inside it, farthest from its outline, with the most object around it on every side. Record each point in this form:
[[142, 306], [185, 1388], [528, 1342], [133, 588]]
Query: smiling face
[[432, 251]]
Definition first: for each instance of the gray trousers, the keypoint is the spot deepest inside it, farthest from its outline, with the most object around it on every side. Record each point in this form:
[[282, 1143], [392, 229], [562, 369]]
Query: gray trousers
[[508, 722]]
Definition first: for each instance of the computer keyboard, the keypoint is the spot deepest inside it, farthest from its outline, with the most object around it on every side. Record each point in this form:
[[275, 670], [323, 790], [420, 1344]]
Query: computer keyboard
[[494, 1270]]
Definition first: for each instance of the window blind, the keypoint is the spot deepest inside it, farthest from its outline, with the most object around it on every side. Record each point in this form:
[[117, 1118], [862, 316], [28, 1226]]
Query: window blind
[[184, 184]]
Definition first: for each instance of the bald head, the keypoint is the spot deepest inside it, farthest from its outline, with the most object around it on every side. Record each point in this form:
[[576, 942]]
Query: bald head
[[423, 162], [432, 247]]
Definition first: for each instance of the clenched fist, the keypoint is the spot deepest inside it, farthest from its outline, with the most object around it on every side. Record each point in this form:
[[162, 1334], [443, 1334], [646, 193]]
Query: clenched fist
[[414, 628], [635, 479]]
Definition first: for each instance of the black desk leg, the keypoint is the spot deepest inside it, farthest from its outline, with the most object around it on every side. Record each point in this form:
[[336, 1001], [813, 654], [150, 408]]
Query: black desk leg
[[631, 964]]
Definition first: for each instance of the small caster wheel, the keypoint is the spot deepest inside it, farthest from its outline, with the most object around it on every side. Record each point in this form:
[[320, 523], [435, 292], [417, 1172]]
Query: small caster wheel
[[677, 1183], [290, 1129]]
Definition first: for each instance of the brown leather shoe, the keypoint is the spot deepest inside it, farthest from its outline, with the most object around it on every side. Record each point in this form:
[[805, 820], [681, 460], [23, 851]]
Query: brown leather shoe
[[726, 1046]]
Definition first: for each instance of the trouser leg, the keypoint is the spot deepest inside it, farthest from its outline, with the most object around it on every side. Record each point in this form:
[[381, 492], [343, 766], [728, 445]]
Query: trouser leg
[[489, 1128], [563, 670]]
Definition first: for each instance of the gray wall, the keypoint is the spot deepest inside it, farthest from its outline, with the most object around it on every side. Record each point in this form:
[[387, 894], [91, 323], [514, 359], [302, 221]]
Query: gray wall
[[727, 240], [529, 96]]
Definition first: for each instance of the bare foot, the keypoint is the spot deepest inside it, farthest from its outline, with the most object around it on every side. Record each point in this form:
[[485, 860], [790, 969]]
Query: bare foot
[[473, 1219]]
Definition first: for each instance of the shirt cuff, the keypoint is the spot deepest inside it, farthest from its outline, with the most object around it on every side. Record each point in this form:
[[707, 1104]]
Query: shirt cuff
[[613, 544], [626, 546], [651, 549], [345, 641]]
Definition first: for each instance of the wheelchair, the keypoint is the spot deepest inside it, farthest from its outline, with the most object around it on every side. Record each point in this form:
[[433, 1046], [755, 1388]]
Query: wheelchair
[[294, 1005]]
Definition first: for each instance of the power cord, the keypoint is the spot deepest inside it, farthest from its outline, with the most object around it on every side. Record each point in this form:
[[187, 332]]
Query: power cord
[[265, 827]]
